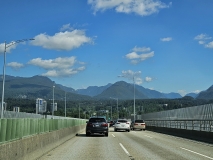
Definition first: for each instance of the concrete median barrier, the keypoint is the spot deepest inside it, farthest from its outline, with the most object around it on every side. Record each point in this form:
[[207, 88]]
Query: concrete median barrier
[[33, 147], [189, 134], [26, 139]]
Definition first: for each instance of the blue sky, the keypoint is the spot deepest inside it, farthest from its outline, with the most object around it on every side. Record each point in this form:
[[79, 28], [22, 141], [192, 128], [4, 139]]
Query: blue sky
[[165, 45]]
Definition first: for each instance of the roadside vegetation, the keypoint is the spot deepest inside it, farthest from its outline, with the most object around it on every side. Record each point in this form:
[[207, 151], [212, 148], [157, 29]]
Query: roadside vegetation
[[103, 107]]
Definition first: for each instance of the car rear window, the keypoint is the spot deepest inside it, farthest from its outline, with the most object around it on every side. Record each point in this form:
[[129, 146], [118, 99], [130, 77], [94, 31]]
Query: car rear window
[[139, 121], [122, 121], [97, 120]]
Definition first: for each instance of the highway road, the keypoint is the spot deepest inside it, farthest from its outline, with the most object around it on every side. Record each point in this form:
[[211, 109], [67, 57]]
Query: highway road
[[137, 145]]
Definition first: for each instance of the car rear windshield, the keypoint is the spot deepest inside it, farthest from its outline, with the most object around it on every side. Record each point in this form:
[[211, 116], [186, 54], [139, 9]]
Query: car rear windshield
[[97, 120], [122, 121], [139, 121]]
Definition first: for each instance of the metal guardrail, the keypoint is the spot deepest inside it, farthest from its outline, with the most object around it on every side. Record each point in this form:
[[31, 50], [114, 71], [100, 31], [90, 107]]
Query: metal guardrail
[[199, 118], [195, 124], [202, 112]]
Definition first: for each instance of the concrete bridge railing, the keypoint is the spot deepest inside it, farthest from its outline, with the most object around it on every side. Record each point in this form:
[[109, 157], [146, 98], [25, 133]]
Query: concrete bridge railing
[[30, 138]]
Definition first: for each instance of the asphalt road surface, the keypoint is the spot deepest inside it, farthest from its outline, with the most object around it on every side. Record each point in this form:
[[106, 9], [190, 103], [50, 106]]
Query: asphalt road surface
[[133, 145]]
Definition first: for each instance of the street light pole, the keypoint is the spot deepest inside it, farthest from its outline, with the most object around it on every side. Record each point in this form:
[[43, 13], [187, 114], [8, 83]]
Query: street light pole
[[111, 112], [53, 106], [79, 111], [134, 96], [65, 106], [117, 108], [4, 69], [117, 105], [2, 99]]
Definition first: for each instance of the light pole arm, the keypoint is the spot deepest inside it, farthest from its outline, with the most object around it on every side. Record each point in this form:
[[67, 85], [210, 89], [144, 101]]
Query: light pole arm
[[18, 41]]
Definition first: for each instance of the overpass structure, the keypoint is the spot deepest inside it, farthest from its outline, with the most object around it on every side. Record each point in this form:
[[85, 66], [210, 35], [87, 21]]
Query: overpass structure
[[28, 136]]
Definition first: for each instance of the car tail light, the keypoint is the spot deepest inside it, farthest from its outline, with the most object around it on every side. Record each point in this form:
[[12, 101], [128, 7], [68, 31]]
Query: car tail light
[[89, 124], [104, 125], [135, 124]]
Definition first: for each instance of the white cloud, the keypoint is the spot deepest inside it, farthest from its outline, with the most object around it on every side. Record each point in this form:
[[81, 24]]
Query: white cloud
[[59, 67], [2, 46], [204, 39], [201, 42], [60, 73], [66, 27], [182, 92], [59, 62], [15, 65], [67, 40], [148, 79], [131, 75], [81, 68], [167, 39], [141, 49], [209, 45], [140, 7], [136, 58], [8, 49], [196, 91]]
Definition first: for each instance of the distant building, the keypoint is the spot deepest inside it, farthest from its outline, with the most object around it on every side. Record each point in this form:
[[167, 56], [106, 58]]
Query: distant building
[[22, 96], [41, 105], [4, 106], [16, 109], [55, 107]]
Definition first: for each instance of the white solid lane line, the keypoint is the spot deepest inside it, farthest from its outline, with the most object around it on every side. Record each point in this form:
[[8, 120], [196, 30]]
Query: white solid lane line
[[124, 149], [196, 153]]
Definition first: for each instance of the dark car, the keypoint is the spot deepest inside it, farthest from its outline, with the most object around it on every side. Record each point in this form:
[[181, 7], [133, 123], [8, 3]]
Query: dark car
[[97, 125], [111, 123]]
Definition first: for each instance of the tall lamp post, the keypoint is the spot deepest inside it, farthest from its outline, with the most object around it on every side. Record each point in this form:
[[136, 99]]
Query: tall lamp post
[[53, 106], [111, 112], [65, 105], [79, 110], [3, 84], [134, 96], [117, 105]]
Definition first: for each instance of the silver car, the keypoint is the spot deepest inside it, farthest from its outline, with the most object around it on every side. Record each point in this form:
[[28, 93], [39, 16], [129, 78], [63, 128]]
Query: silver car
[[122, 124], [138, 124]]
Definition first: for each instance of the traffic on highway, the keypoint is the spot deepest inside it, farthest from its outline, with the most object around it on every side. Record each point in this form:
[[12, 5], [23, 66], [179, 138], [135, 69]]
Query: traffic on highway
[[133, 145]]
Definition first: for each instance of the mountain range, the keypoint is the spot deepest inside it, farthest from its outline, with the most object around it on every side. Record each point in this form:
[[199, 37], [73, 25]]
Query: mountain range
[[42, 87]]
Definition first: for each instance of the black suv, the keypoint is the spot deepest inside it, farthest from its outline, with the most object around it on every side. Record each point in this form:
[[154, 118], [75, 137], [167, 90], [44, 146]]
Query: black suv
[[97, 125]]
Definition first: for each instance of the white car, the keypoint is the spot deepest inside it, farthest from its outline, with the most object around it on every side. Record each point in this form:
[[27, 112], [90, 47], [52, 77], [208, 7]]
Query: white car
[[122, 124]]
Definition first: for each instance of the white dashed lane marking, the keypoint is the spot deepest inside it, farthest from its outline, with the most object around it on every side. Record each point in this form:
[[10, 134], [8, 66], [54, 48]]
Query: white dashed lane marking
[[148, 136], [196, 153]]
